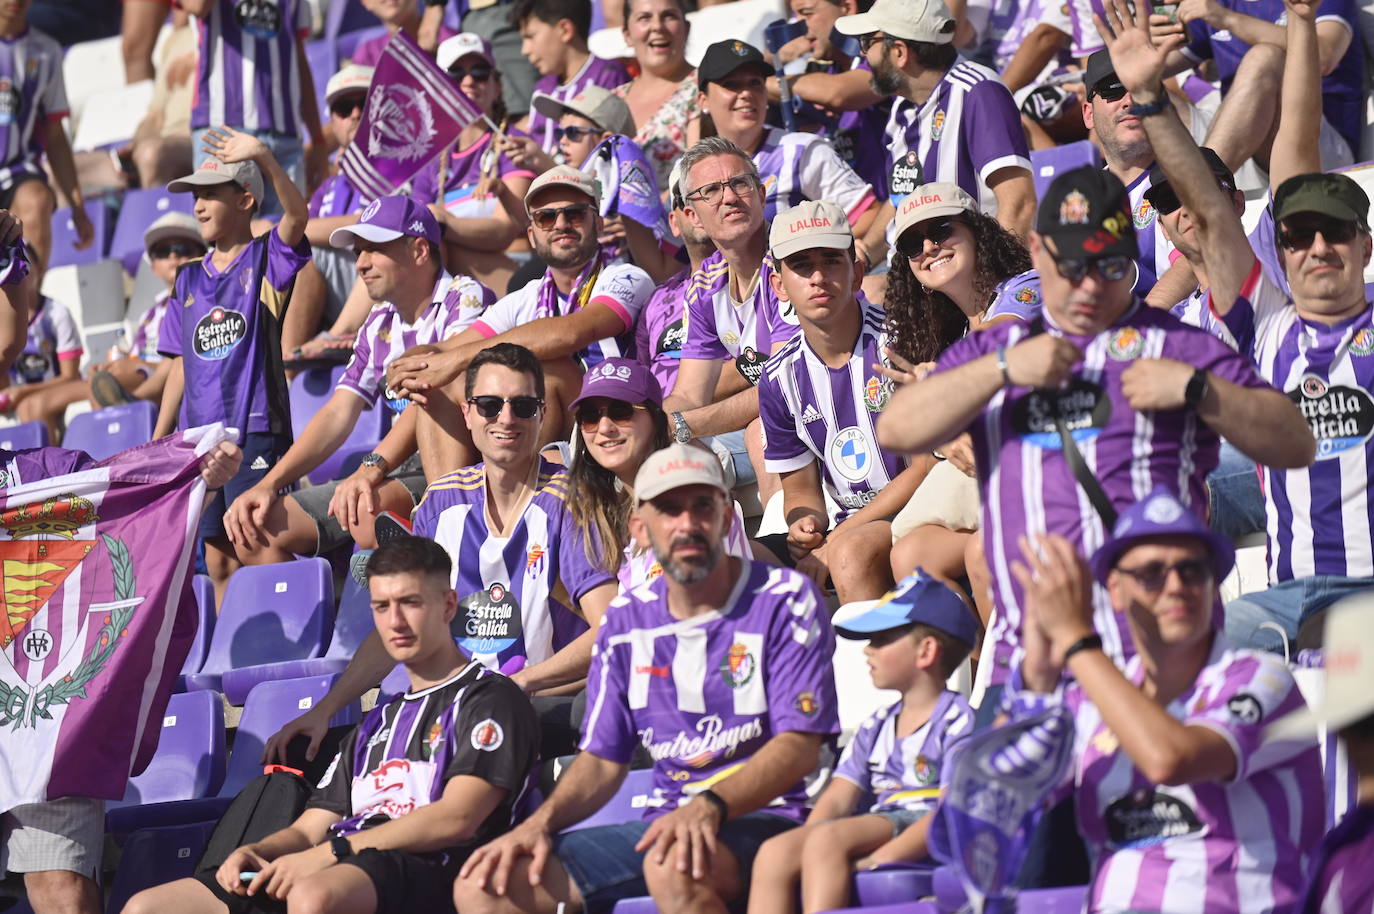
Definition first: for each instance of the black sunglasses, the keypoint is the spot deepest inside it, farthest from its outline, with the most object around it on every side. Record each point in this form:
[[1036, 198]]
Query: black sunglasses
[[869, 40], [489, 407], [344, 107], [1109, 92], [578, 134], [165, 249], [618, 411], [479, 73], [1111, 268], [913, 240], [1300, 237], [1153, 576], [546, 218]]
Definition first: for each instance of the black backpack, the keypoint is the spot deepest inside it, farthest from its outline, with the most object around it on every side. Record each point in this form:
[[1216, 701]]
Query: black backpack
[[270, 802]]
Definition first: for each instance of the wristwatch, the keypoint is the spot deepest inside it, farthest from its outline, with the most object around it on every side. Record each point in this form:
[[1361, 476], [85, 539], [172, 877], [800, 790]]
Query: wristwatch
[[681, 433], [1196, 389], [340, 847], [373, 459]]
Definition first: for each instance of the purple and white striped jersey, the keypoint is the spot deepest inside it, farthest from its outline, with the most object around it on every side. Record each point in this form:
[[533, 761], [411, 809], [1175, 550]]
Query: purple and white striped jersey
[[855, 133], [718, 327], [464, 172], [248, 72], [1211, 846], [1027, 485], [812, 412], [402, 755], [967, 130], [1085, 38], [1196, 310], [1342, 881], [52, 340], [32, 95], [796, 167], [1156, 250], [622, 287], [336, 196], [1318, 519], [456, 302], [149, 325], [1029, 17], [1018, 296], [704, 694], [506, 584], [597, 71], [904, 772], [661, 329], [640, 566]]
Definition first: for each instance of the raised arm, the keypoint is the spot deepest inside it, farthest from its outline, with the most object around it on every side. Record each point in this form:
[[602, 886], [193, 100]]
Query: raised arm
[[1300, 105]]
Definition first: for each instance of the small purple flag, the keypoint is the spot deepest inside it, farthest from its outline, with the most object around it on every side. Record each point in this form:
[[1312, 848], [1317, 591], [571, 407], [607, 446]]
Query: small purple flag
[[413, 111], [98, 614]]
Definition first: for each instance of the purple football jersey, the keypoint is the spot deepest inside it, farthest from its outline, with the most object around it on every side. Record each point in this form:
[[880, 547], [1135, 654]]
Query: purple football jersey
[[702, 695], [718, 327], [465, 168], [1342, 881], [336, 196], [1018, 296], [904, 772], [248, 70], [597, 71], [662, 329], [32, 95]]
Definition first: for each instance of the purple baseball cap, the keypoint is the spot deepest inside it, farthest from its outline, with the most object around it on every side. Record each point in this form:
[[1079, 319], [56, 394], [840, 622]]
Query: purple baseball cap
[[389, 218], [620, 379], [1161, 514]]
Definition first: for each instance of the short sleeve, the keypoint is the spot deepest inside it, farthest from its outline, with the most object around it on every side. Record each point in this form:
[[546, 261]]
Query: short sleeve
[[1216, 357], [624, 288], [334, 792], [285, 261], [1199, 46], [496, 735], [361, 377], [317, 198], [68, 339], [468, 300], [992, 130], [169, 334], [801, 648], [508, 313], [54, 97], [853, 764], [1018, 297], [575, 567], [608, 730], [702, 340], [783, 450], [825, 176], [972, 346]]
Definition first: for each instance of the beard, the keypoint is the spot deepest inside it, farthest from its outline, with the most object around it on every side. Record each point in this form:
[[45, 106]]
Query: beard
[[567, 259], [887, 80], [688, 572]]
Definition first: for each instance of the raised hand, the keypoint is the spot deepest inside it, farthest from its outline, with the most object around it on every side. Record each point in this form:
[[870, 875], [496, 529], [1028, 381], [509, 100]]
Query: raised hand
[[230, 145], [1138, 58]]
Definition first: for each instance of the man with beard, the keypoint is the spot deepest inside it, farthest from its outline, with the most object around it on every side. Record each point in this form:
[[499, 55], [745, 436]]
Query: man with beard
[[721, 668], [582, 310], [952, 120]]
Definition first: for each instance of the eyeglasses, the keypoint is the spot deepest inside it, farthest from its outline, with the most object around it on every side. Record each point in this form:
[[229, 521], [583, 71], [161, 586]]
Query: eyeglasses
[[713, 193], [1153, 577], [479, 73], [1111, 268], [913, 241], [1111, 92], [618, 411], [578, 134], [872, 38], [344, 107], [164, 249], [546, 218], [489, 407], [1300, 237]]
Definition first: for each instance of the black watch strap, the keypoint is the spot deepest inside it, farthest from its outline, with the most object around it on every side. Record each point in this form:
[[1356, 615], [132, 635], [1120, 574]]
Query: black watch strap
[[340, 847], [1196, 389], [715, 800], [1088, 643]]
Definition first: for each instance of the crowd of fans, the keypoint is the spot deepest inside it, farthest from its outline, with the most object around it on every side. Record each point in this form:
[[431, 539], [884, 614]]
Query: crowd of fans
[[1021, 433]]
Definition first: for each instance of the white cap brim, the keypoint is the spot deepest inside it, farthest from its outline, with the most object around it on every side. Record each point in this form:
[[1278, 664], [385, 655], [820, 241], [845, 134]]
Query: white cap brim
[[162, 233], [346, 236]]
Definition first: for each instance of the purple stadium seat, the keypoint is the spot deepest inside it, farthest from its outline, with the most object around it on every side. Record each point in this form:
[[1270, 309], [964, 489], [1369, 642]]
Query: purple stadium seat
[[204, 590], [141, 208], [892, 884], [189, 762], [310, 391], [628, 803], [111, 430], [906, 907], [153, 856], [950, 896], [352, 625], [64, 235], [25, 434], [1047, 163], [270, 613]]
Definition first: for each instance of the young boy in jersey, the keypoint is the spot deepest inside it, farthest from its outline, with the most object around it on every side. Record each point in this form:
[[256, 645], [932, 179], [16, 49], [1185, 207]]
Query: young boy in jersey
[[223, 326], [50, 359], [917, 637], [419, 783]]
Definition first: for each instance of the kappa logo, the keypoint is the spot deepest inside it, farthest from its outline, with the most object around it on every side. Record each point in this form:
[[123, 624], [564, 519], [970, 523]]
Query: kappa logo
[[417, 226]]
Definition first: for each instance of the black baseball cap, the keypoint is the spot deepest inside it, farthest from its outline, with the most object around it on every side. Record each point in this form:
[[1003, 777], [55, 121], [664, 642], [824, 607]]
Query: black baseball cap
[[1087, 213], [725, 57], [1334, 195], [1162, 197], [1100, 69]]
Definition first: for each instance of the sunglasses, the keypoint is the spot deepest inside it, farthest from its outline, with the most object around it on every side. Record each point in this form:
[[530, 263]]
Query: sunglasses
[[489, 407], [1111, 92], [546, 218], [869, 40], [618, 411], [1300, 237], [165, 249], [479, 73], [1111, 268], [713, 193], [913, 240], [578, 134], [1153, 577], [344, 107]]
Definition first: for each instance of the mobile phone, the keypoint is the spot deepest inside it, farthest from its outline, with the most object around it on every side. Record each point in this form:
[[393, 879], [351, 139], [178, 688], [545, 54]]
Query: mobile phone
[[1166, 9]]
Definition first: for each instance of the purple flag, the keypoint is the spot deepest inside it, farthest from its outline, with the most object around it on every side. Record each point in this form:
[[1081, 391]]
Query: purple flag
[[413, 111], [98, 615]]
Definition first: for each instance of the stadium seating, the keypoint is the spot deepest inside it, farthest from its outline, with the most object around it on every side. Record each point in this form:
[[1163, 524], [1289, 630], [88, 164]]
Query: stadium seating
[[628, 803], [189, 762], [270, 613], [64, 235], [26, 434], [204, 591], [141, 209], [153, 856], [310, 391], [111, 430], [892, 883], [1046, 163]]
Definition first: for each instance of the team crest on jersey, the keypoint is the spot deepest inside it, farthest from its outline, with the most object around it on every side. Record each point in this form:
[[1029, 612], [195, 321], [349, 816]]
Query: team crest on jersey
[[927, 772], [877, 391], [806, 703], [1362, 343], [400, 123], [1340, 417], [1126, 344], [937, 124], [1144, 214], [218, 333], [487, 736], [534, 562], [1073, 209], [1027, 295], [849, 454], [436, 736], [738, 667]]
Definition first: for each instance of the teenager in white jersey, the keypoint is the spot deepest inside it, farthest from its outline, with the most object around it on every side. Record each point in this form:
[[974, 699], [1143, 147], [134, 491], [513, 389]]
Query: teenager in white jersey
[[582, 310], [721, 668], [820, 397]]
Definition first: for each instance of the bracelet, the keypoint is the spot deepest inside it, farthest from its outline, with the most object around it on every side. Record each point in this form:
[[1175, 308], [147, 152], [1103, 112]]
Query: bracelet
[[1091, 642], [1159, 106], [1003, 367], [721, 806]]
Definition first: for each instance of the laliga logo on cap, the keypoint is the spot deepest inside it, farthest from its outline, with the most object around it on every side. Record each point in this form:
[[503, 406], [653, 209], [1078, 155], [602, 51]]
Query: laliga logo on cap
[[684, 463], [912, 201], [371, 210], [210, 165], [811, 223]]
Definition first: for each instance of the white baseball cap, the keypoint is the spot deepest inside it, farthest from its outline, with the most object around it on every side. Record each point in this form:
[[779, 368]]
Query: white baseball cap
[[913, 20], [173, 225], [452, 50], [566, 176], [352, 78], [930, 200], [212, 171], [675, 466], [810, 224], [601, 106]]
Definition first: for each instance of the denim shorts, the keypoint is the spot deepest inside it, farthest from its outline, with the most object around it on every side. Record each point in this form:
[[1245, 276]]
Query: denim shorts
[[607, 868], [901, 819]]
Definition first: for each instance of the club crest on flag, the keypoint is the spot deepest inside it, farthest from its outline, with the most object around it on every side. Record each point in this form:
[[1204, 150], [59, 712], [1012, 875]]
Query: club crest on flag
[[402, 123]]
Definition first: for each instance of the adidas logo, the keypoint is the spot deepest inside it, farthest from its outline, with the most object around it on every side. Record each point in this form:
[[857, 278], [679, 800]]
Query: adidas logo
[[258, 464], [810, 414]]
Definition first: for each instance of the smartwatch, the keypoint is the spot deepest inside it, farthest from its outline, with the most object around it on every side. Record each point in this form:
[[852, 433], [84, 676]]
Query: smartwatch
[[340, 847], [1196, 389], [681, 433]]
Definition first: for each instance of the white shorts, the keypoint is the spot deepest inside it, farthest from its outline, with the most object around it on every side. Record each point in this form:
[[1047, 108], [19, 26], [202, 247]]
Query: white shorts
[[63, 834]]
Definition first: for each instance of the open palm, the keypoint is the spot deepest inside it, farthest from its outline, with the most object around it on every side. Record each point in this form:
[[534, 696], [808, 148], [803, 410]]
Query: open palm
[[1139, 62]]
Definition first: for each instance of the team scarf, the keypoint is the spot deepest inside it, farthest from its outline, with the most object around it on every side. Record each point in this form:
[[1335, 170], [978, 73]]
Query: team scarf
[[547, 303], [99, 615], [413, 111]]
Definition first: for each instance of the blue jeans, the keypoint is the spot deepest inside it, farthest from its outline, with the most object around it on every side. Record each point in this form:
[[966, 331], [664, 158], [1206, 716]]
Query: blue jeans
[[739, 455], [289, 151], [1234, 499], [1287, 604]]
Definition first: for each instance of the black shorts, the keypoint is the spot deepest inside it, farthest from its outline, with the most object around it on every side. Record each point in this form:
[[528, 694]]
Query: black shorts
[[405, 883], [261, 451]]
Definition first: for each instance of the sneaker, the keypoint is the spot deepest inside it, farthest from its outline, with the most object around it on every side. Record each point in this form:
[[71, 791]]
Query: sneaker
[[388, 526], [107, 391]]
